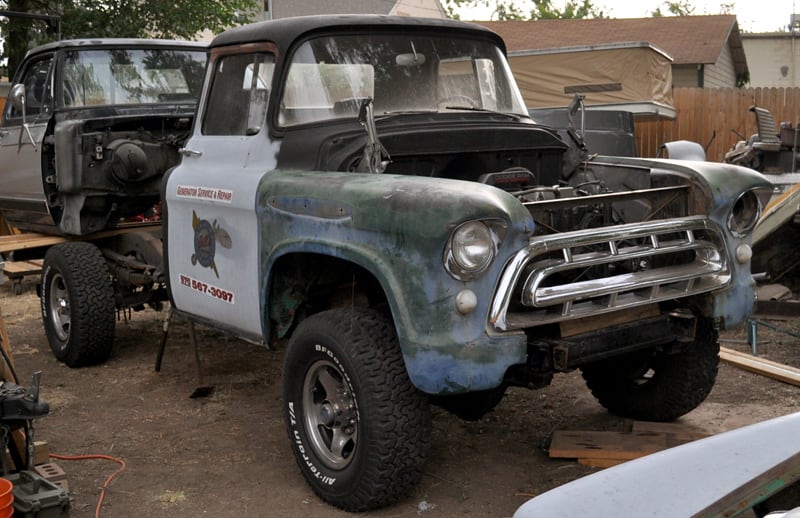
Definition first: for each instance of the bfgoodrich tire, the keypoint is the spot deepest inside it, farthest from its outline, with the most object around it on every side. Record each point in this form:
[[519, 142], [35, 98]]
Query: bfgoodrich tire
[[358, 427], [77, 304], [655, 386]]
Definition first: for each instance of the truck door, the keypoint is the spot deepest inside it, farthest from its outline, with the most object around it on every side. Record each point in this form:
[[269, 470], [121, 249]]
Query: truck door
[[22, 185], [212, 229]]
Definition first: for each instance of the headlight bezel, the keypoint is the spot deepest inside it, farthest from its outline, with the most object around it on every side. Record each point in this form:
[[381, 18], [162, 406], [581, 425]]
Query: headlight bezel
[[744, 214], [484, 234]]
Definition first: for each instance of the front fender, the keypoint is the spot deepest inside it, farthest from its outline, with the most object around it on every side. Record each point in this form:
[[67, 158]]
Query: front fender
[[396, 227], [716, 187]]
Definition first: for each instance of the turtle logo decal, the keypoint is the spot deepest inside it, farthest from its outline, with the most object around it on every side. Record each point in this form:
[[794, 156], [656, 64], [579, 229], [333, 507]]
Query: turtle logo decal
[[206, 237]]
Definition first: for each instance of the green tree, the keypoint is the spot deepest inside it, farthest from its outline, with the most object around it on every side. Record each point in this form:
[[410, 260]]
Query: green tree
[[727, 8], [182, 19], [679, 8], [539, 10], [543, 10]]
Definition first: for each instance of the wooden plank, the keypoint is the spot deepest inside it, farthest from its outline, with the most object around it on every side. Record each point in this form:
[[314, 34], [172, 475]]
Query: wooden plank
[[4, 228], [41, 454], [607, 449], [19, 268], [600, 463], [25, 241], [770, 369], [35, 240], [676, 433], [605, 444]]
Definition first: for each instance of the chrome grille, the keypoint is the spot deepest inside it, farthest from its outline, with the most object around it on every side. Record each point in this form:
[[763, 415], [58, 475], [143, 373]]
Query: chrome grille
[[672, 259]]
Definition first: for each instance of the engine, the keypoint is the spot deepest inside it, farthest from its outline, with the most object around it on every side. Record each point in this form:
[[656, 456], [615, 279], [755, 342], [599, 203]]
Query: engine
[[102, 172]]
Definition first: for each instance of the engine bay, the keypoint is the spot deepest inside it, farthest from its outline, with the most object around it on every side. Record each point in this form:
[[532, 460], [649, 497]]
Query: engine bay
[[101, 170]]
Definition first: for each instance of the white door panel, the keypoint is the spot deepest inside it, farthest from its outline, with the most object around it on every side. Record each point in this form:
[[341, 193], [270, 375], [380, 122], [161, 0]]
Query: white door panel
[[213, 230]]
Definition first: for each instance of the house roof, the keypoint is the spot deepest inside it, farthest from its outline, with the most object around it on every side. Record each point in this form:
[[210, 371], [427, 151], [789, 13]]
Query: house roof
[[286, 9], [687, 39]]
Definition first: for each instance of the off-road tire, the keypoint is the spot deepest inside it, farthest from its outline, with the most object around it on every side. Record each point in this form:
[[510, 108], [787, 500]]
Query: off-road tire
[[77, 304], [349, 361], [652, 385]]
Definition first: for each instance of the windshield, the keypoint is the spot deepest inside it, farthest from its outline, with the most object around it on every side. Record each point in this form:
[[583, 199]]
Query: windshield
[[132, 76], [330, 76]]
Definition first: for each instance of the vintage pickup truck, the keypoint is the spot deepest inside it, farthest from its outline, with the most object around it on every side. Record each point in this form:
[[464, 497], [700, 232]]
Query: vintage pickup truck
[[370, 194], [88, 131]]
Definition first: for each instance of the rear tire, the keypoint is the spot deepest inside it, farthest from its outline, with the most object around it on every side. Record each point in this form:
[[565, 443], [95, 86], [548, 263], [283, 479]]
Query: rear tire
[[654, 386], [77, 304], [359, 429]]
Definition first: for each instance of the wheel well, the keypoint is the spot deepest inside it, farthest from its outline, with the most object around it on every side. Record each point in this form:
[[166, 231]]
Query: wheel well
[[301, 285]]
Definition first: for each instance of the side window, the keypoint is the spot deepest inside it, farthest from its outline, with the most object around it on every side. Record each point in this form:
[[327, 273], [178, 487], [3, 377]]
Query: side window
[[237, 102], [38, 89]]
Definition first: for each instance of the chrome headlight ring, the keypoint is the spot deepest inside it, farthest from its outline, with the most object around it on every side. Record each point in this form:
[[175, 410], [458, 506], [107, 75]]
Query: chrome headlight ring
[[744, 214], [471, 248]]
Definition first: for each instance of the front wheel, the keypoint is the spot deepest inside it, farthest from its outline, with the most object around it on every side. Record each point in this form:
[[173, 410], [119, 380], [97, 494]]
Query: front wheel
[[651, 385], [359, 429], [77, 304]]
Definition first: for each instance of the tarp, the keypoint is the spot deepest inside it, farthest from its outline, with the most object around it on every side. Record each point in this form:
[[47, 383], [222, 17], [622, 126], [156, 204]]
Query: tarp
[[636, 74]]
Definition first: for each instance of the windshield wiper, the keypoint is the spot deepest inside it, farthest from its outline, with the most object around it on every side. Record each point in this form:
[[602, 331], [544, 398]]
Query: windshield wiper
[[513, 116], [389, 115]]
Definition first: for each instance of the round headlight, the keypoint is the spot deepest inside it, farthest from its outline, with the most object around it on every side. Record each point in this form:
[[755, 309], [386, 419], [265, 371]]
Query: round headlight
[[472, 246], [744, 214]]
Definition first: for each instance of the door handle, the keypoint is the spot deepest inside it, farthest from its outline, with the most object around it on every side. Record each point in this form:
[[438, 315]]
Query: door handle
[[185, 151]]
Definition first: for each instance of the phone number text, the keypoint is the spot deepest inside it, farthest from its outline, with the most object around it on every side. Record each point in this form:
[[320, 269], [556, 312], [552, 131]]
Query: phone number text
[[206, 288]]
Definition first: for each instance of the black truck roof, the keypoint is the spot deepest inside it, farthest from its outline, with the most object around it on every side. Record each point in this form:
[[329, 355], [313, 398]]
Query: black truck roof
[[284, 31], [117, 42]]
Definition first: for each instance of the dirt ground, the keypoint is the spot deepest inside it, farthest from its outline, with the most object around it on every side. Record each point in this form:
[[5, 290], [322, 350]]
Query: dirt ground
[[228, 454]]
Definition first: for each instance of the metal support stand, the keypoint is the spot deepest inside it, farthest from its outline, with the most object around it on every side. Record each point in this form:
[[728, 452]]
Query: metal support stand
[[163, 345], [752, 336], [201, 390], [752, 333]]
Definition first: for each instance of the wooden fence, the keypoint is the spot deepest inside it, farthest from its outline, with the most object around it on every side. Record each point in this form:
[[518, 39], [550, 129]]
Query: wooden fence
[[713, 116]]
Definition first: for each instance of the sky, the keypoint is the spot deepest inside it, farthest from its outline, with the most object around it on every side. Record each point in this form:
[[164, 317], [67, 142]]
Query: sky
[[752, 15]]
